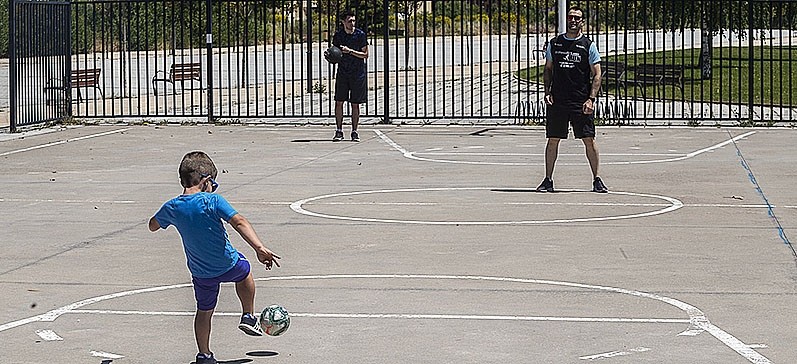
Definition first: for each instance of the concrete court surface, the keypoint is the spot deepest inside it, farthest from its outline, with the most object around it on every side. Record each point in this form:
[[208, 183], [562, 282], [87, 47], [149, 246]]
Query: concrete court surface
[[416, 245]]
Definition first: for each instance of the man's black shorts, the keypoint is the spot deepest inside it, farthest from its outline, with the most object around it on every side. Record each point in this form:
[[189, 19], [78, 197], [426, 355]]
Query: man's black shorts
[[351, 89], [558, 119]]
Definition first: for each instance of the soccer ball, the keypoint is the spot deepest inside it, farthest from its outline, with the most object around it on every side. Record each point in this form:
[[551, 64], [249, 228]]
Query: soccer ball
[[274, 320]]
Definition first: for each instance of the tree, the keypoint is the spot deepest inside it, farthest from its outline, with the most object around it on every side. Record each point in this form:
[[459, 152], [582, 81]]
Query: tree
[[715, 17]]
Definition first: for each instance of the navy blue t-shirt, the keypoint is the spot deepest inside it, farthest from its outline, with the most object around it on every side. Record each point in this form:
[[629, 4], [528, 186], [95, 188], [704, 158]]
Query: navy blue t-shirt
[[572, 60], [350, 65]]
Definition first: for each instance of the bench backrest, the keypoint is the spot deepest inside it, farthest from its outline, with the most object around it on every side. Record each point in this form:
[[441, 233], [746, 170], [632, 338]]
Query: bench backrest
[[85, 78], [186, 71], [612, 70], [665, 72]]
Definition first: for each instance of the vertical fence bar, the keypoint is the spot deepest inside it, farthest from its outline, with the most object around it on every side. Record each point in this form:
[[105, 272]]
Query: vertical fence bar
[[12, 65], [209, 49], [751, 73], [386, 64]]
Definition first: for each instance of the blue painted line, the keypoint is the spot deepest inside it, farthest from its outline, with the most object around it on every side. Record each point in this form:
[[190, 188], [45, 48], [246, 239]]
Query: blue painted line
[[770, 208]]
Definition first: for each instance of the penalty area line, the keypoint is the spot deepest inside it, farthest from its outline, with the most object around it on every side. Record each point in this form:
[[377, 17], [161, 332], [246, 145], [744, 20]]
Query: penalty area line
[[404, 316]]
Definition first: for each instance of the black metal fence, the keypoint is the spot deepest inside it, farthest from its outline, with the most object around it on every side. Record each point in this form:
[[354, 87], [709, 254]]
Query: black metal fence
[[435, 61], [39, 50]]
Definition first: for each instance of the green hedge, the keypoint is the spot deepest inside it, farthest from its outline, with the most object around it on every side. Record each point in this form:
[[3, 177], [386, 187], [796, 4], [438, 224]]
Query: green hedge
[[4, 28]]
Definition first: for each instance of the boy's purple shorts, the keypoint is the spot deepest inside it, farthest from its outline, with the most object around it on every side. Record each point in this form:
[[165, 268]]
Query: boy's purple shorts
[[206, 290]]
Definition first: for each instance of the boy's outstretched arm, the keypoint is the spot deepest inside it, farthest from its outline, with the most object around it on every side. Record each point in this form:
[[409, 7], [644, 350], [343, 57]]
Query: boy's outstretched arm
[[245, 229], [153, 224]]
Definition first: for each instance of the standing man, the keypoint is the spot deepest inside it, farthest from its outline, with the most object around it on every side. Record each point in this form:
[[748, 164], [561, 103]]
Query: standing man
[[350, 83], [572, 79]]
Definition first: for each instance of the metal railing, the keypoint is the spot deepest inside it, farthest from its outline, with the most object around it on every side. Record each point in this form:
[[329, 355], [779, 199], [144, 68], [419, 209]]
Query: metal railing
[[433, 61]]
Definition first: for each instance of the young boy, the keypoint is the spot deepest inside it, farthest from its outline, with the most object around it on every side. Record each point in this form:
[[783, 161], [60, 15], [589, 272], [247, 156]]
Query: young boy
[[198, 214]]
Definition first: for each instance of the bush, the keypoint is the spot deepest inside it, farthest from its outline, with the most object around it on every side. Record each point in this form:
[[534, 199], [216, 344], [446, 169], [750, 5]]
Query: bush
[[4, 28]]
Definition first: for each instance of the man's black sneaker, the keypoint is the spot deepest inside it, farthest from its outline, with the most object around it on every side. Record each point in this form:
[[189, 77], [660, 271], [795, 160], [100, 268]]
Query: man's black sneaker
[[546, 185], [355, 137], [338, 136], [250, 325], [205, 359], [598, 186]]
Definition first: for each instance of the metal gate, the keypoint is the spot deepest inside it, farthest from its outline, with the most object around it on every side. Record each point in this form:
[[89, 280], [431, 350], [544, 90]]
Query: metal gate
[[39, 67]]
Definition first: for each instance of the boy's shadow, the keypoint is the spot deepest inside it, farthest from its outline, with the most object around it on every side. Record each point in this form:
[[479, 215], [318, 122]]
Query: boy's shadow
[[234, 361]]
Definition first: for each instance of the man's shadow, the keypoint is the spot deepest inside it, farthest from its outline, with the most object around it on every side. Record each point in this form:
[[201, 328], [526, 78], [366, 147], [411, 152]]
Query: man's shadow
[[318, 141], [534, 190]]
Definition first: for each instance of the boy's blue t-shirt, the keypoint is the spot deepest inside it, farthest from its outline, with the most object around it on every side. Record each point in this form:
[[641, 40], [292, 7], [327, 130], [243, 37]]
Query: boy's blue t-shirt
[[199, 219]]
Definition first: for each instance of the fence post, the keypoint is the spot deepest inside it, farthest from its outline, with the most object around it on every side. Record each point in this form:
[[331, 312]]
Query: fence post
[[750, 78], [12, 67], [209, 41], [310, 46], [68, 57], [386, 59]]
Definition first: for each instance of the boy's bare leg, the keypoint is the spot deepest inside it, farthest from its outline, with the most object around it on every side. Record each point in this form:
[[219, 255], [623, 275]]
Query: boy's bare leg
[[246, 293], [202, 321]]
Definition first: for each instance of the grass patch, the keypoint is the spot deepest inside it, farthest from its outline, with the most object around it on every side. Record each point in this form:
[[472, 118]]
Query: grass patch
[[774, 75]]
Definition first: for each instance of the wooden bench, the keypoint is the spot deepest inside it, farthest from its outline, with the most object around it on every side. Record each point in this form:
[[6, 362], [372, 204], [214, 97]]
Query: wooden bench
[[613, 72], [179, 72], [657, 75], [85, 78]]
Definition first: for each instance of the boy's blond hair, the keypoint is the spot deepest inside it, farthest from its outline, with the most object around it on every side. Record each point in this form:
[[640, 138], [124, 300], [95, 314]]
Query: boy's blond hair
[[195, 166]]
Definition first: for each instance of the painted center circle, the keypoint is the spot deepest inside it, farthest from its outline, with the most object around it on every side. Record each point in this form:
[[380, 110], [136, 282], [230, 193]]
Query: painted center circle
[[483, 206]]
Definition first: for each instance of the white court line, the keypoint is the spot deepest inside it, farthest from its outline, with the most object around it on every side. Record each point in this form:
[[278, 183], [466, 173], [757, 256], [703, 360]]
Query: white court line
[[349, 203], [412, 155], [612, 354], [103, 354], [697, 318], [69, 200], [298, 207], [49, 335], [405, 316], [559, 154], [62, 142]]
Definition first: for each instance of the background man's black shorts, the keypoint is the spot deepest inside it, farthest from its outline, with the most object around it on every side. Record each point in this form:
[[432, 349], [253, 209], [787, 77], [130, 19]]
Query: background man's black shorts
[[351, 89], [558, 119]]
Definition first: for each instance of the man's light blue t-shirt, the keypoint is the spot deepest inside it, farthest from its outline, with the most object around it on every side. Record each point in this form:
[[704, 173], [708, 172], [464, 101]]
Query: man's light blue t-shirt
[[199, 218]]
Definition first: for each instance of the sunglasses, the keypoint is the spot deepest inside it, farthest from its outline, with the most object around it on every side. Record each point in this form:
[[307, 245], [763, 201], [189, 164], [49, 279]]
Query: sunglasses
[[213, 185], [574, 17]]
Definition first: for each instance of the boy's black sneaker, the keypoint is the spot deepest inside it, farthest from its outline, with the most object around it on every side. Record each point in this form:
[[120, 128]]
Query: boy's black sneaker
[[205, 359], [338, 136], [250, 325], [598, 186], [355, 137], [546, 185]]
